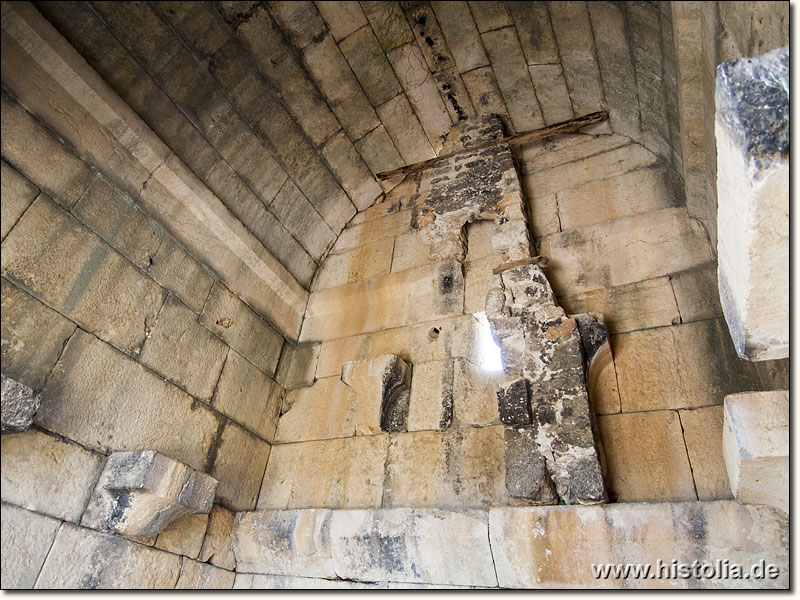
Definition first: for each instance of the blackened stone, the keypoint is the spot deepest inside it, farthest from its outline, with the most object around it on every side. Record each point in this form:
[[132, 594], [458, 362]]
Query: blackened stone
[[526, 470], [19, 404], [585, 482], [513, 404]]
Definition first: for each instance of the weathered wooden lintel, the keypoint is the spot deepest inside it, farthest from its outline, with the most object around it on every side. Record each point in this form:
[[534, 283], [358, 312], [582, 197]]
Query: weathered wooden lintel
[[513, 140]]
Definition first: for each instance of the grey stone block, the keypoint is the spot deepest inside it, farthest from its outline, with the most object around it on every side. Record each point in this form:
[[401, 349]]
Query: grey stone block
[[19, 404], [526, 471], [513, 403]]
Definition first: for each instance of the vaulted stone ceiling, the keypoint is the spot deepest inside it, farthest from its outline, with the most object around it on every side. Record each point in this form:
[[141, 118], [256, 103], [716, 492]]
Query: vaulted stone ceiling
[[287, 110]]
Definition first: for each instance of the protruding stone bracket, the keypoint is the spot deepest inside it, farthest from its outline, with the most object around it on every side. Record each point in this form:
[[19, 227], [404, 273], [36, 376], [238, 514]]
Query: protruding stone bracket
[[383, 386], [19, 404], [142, 491]]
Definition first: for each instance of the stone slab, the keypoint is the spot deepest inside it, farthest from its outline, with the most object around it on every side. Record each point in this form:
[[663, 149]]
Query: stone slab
[[359, 264], [326, 409], [239, 466], [184, 535], [217, 546], [200, 576], [175, 269], [431, 405], [27, 538], [19, 404], [702, 432], [697, 294], [17, 195], [297, 365]]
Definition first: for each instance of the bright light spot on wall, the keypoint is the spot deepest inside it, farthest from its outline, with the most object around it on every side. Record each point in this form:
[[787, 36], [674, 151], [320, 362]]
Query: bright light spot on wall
[[488, 350]]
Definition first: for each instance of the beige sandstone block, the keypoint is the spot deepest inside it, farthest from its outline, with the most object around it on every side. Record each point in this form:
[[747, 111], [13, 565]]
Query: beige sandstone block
[[411, 251], [382, 385], [130, 410], [431, 405], [242, 329], [350, 170], [200, 576], [326, 409], [646, 457], [297, 365], [461, 35], [489, 16], [379, 152], [343, 18], [183, 350], [405, 130], [543, 210], [358, 264], [217, 547], [477, 275], [551, 91], [558, 151], [625, 251], [697, 294], [43, 473], [412, 296], [429, 36], [640, 305], [176, 270], [27, 538], [184, 535], [459, 468], [239, 466], [82, 558], [390, 225], [556, 547], [702, 431], [17, 195], [243, 581], [248, 396], [33, 336], [302, 220], [755, 443], [475, 394]]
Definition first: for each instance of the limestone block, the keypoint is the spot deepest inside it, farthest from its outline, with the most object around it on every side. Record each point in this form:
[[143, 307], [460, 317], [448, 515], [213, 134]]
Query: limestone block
[[457, 468], [176, 270], [422, 342], [370, 65], [248, 396], [300, 21], [207, 33], [112, 216], [639, 247], [281, 582], [297, 365], [412, 545], [417, 295], [132, 409], [702, 432], [752, 117], [326, 409], [200, 576], [84, 559], [394, 223], [27, 538], [640, 305], [486, 97], [577, 148], [139, 493], [527, 478], [49, 251], [412, 251], [184, 535], [42, 473], [358, 264], [17, 195], [343, 18], [477, 278], [559, 547], [389, 23], [452, 88], [241, 328], [217, 546], [551, 91], [243, 581], [532, 21], [601, 375], [45, 162], [429, 36], [511, 72], [183, 350], [19, 404], [461, 35], [383, 387], [431, 405], [543, 210], [474, 394], [489, 16], [405, 129], [301, 219], [349, 473], [697, 295], [646, 457], [239, 465], [350, 170], [755, 443], [379, 152], [284, 542]]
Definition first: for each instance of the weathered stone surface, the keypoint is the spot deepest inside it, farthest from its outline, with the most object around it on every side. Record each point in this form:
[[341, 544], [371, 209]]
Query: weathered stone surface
[[66, 266], [559, 547], [112, 216], [527, 478], [199, 576], [343, 18], [755, 443], [84, 559], [389, 23], [697, 295], [184, 535], [42, 473], [297, 365], [248, 396], [45, 162], [429, 36], [457, 468], [326, 409], [175, 269], [358, 264], [17, 195], [281, 582], [475, 394], [601, 375], [240, 327], [532, 20], [405, 129], [646, 457], [350, 170], [752, 128], [489, 16], [513, 403], [413, 296], [217, 545], [702, 432], [300, 21], [379, 152], [139, 493], [383, 387], [103, 399], [239, 465], [302, 220], [349, 473], [27, 538], [19, 404], [461, 35], [551, 91], [183, 350], [431, 405], [357, 235]]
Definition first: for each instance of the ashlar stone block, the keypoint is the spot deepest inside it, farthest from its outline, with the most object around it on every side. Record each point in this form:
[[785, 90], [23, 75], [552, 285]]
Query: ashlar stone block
[[19, 404], [141, 492], [27, 538], [383, 386]]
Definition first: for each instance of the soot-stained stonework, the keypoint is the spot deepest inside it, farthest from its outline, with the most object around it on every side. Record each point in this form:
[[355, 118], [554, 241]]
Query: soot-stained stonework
[[19, 404]]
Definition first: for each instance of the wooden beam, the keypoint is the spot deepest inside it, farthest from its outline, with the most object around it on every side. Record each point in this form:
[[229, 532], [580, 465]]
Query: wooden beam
[[512, 140]]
